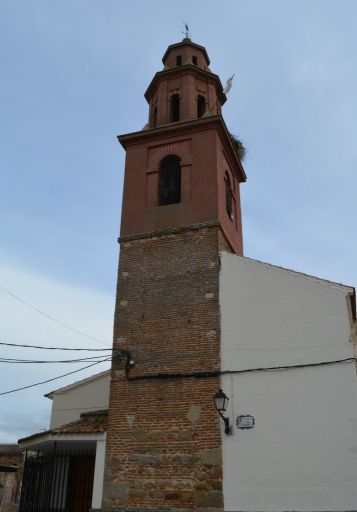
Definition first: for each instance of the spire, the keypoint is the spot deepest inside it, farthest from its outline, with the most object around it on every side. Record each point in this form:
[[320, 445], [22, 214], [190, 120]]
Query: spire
[[186, 89]]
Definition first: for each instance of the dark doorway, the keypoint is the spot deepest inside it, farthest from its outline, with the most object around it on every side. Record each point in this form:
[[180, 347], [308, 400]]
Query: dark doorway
[[80, 484]]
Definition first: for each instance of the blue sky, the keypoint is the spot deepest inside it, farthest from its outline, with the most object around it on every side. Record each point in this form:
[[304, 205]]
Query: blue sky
[[73, 74]]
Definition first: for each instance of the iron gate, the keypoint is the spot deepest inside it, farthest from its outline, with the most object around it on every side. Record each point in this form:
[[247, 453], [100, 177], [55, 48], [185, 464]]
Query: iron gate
[[59, 481]]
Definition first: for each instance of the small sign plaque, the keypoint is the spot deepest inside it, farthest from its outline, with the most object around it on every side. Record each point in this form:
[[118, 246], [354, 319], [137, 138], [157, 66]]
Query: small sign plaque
[[245, 421]]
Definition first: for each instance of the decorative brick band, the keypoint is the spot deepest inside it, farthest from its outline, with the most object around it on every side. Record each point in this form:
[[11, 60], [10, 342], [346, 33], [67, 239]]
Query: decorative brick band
[[171, 231], [176, 148]]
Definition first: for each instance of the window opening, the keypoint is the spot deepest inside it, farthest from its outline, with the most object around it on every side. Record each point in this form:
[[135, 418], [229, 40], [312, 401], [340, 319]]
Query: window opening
[[154, 117], [201, 105], [178, 60], [229, 197], [194, 60], [170, 180], [175, 108]]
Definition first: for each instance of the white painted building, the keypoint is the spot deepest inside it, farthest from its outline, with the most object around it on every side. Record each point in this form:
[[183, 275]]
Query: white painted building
[[91, 394], [301, 453]]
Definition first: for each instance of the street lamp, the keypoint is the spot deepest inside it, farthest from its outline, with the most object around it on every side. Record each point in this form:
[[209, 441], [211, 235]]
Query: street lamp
[[221, 401]]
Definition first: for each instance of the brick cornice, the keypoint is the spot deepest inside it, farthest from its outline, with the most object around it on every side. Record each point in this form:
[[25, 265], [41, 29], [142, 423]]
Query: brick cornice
[[186, 69], [182, 128]]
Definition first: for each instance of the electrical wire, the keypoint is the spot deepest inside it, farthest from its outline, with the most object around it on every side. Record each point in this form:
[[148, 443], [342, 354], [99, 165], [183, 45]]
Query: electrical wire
[[206, 374], [209, 374], [49, 317], [32, 361], [54, 378], [54, 348]]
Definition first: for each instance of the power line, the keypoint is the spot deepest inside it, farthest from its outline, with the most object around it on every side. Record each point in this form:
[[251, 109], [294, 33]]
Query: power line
[[54, 378], [59, 322], [54, 348], [29, 361]]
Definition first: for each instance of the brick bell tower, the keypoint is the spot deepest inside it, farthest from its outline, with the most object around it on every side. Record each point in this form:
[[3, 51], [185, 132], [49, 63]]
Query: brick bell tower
[[181, 207]]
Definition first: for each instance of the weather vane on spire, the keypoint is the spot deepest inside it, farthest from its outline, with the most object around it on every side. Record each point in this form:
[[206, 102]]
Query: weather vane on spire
[[186, 32]]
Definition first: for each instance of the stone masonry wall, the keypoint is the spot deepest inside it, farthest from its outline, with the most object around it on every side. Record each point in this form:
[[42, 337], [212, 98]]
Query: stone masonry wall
[[164, 440], [10, 481]]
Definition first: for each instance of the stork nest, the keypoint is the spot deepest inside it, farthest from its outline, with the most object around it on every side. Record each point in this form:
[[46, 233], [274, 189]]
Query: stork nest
[[238, 147]]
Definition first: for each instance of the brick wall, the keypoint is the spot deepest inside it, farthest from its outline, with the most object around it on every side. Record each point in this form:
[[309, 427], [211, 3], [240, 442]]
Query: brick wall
[[10, 481], [164, 441]]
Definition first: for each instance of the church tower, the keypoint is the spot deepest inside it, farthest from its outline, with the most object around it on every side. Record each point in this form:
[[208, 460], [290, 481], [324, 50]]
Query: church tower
[[181, 207]]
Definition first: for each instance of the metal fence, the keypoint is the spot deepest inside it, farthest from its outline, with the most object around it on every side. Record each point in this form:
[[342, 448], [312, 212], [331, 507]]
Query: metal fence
[[61, 480]]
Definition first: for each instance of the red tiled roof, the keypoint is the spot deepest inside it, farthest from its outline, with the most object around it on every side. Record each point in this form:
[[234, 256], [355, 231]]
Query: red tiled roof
[[91, 422]]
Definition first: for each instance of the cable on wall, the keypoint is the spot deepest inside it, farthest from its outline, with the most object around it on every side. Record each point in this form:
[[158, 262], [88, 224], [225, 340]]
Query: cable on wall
[[208, 374]]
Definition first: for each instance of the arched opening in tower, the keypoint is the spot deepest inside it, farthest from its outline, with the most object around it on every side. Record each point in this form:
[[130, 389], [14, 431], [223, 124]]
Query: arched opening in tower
[[175, 108], [170, 180], [201, 105]]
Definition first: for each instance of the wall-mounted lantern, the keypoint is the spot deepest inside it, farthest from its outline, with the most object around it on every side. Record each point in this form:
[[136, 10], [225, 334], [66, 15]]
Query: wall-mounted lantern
[[221, 401]]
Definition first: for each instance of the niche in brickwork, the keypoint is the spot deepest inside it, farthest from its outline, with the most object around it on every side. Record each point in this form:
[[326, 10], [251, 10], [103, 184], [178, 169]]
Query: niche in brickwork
[[170, 180]]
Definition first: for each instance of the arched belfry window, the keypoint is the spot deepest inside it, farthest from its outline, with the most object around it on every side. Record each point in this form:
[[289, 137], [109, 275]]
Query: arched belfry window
[[175, 108], [229, 197], [154, 117], [170, 180], [201, 105]]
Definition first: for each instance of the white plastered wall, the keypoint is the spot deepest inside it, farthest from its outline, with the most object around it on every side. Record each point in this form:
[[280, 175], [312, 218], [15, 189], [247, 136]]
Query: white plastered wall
[[302, 452], [87, 395]]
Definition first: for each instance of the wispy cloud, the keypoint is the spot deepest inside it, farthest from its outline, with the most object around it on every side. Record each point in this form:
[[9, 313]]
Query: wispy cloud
[[86, 310]]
